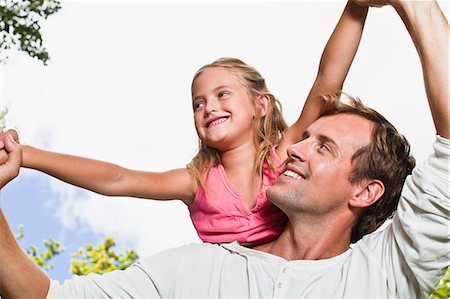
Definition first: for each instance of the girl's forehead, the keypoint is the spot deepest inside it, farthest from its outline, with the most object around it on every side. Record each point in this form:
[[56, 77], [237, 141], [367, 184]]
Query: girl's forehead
[[217, 73], [213, 77]]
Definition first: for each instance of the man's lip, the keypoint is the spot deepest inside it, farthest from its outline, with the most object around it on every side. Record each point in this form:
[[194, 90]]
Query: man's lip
[[208, 123]]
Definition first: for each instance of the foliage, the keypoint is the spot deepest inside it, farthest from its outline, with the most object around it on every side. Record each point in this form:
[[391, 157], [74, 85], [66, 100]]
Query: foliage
[[92, 259], [101, 259], [3, 114], [443, 289], [53, 248], [20, 28]]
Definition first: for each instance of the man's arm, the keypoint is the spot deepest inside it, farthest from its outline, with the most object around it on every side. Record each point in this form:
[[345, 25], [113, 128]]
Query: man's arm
[[429, 31], [19, 276], [420, 226]]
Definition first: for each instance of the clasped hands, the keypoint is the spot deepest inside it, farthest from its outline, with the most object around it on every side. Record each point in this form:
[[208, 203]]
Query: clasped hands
[[10, 156]]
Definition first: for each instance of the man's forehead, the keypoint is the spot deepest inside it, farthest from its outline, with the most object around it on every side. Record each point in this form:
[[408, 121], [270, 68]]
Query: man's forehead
[[343, 127]]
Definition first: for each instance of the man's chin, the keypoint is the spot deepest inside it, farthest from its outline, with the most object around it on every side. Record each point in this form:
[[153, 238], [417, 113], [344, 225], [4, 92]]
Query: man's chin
[[273, 194]]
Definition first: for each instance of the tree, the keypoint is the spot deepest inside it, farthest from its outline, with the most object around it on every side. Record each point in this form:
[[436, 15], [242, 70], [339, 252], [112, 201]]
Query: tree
[[20, 28], [101, 259], [53, 248], [443, 289], [92, 259]]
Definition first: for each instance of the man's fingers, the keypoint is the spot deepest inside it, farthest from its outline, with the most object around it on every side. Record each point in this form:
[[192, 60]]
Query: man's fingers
[[14, 134], [14, 151], [10, 169], [3, 156]]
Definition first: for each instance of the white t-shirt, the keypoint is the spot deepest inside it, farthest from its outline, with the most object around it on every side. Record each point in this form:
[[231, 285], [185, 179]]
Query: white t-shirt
[[406, 260]]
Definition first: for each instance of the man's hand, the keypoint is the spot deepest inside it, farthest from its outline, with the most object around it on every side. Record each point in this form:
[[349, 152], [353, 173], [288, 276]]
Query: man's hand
[[373, 3], [11, 153], [3, 153]]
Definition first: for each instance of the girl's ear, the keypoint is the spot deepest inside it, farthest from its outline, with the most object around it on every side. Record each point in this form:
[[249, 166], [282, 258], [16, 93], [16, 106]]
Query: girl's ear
[[367, 193], [263, 103]]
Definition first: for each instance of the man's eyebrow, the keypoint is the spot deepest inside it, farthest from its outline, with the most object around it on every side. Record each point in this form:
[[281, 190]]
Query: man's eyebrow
[[327, 139], [321, 137], [333, 146], [305, 134]]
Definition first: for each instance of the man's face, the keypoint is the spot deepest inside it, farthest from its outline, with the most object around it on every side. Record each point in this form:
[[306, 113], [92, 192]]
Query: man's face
[[316, 175]]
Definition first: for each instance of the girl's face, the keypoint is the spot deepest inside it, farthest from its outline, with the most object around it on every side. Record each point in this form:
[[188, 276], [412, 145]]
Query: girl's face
[[224, 112]]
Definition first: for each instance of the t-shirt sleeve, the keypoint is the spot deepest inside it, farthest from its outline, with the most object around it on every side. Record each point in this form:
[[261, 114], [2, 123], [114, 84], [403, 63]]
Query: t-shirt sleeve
[[413, 251], [421, 224], [149, 278]]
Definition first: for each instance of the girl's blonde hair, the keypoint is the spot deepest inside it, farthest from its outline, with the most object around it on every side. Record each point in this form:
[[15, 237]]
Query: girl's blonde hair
[[269, 129]]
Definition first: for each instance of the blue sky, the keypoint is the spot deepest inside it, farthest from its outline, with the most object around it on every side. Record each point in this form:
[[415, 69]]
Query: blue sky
[[117, 89], [28, 201]]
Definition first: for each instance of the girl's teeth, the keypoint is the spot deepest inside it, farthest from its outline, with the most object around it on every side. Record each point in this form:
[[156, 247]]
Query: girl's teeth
[[218, 121]]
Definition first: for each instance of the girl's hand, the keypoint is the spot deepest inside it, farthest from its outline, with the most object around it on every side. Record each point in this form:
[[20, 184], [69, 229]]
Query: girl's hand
[[12, 151], [14, 135], [3, 153]]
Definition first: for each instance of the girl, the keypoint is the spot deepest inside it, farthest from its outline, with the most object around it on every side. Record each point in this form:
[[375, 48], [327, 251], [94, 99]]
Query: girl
[[243, 141]]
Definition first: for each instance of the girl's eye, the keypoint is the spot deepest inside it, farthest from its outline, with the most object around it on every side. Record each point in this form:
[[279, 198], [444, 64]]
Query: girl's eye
[[198, 105], [222, 94]]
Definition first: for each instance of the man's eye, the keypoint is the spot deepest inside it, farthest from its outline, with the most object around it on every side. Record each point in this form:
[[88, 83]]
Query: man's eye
[[323, 146]]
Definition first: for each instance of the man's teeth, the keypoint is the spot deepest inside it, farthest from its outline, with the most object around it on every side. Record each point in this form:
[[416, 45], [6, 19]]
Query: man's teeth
[[292, 174]]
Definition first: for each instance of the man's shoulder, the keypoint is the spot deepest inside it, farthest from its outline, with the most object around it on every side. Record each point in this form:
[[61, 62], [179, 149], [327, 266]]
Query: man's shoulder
[[194, 251]]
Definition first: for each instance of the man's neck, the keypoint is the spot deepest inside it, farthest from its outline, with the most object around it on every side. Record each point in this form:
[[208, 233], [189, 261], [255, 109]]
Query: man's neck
[[306, 242]]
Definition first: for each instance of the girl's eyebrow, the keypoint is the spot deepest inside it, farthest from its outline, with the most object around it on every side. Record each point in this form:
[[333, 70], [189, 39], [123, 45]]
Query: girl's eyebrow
[[222, 87], [197, 98], [216, 89]]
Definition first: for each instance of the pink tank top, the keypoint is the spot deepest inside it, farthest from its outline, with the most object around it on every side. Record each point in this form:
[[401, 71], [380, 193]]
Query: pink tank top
[[219, 216]]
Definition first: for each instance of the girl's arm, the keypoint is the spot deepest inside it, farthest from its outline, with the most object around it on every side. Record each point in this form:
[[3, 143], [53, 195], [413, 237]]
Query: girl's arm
[[333, 68], [111, 179]]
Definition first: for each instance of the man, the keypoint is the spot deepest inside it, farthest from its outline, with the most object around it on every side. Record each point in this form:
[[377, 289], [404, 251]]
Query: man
[[339, 184]]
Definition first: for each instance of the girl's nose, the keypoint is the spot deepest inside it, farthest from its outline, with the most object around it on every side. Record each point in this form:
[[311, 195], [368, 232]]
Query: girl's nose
[[210, 108]]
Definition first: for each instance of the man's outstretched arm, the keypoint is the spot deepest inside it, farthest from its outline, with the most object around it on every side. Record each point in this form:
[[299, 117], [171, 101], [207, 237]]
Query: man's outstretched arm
[[20, 277], [429, 31], [420, 227]]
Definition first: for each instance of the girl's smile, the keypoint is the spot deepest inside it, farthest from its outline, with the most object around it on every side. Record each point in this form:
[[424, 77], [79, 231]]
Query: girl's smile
[[216, 121]]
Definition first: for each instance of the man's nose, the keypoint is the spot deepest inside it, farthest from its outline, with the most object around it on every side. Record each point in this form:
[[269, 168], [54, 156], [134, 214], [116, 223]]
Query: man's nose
[[298, 151]]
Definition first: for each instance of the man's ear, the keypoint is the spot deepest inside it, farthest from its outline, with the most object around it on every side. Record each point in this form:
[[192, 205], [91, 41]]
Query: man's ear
[[263, 103], [367, 192]]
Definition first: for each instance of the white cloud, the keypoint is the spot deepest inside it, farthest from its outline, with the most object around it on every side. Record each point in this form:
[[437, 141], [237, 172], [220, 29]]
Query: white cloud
[[117, 89], [149, 226]]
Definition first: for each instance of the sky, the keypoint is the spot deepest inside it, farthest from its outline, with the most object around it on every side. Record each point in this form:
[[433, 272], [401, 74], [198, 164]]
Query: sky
[[118, 89]]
